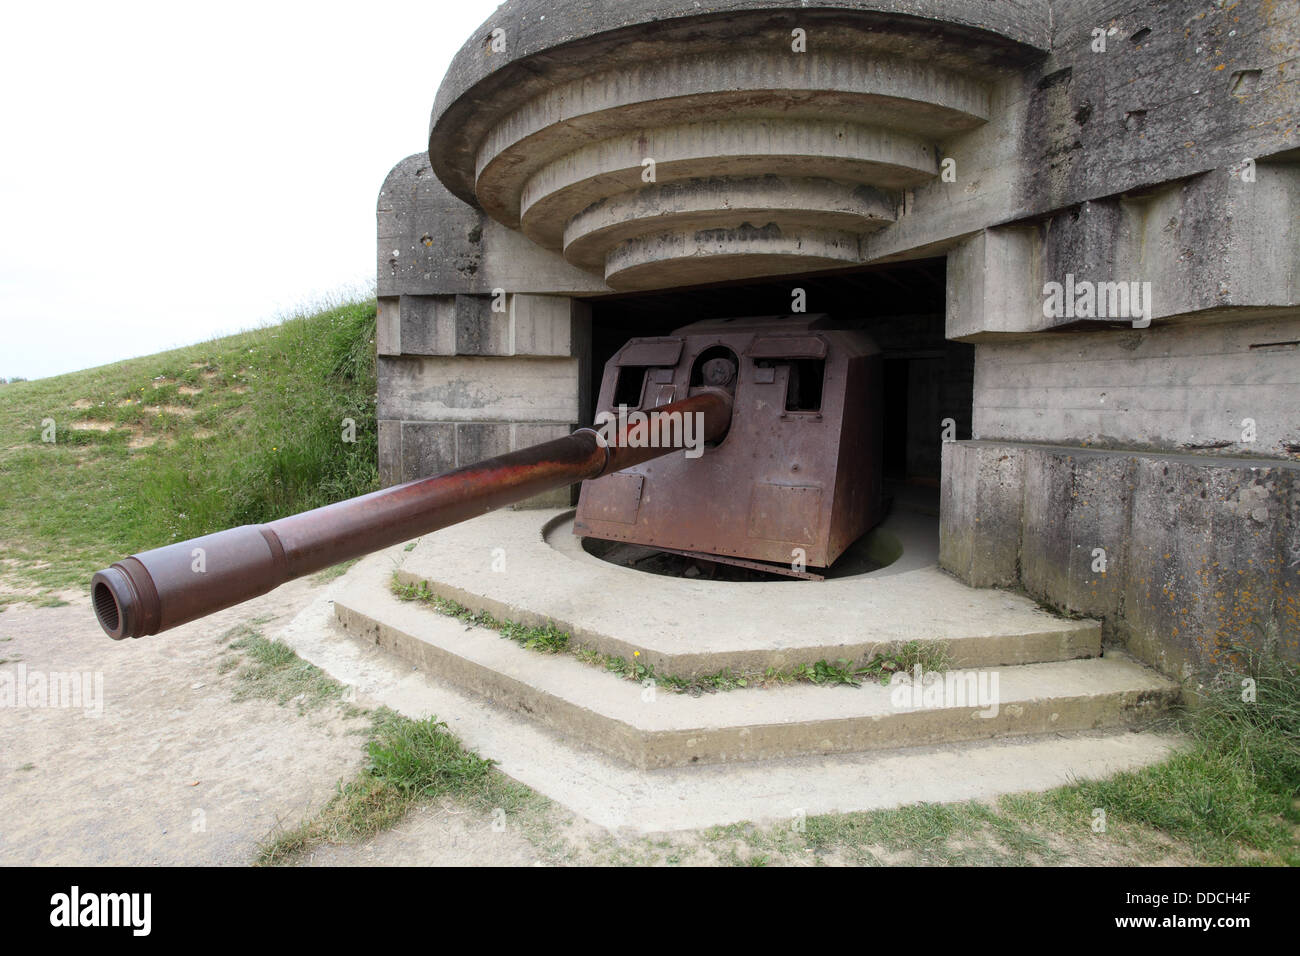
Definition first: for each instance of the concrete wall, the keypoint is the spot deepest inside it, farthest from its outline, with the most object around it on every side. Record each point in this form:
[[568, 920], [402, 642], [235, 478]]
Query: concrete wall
[[431, 243], [1188, 387], [482, 348], [1181, 556], [1226, 242], [460, 381], [1168, 160]]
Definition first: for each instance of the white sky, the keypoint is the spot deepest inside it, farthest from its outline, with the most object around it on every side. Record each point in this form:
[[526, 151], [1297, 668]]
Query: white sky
[[174, 171]]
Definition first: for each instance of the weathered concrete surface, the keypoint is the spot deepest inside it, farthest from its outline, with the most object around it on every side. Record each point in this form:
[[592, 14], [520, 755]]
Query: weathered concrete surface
[[1030, 132], [710, 114], [1216, 242], [533, 325], [1214, 560], [706, 157], [994, 283], [481, 86], [1199, 553], [664, 729], [804, 202], [1065, 524], [1182, 89], [461, 379], [416, 449], [1218, 388], [751, 626], [431, 243], [715, 97], [612, 794], [981, 516], [478, 383], [472, 388]]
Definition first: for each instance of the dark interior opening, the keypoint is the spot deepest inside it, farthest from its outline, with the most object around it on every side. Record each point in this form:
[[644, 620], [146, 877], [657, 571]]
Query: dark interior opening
[[628, 387], [105, 607], [927, 379], [804, 391]]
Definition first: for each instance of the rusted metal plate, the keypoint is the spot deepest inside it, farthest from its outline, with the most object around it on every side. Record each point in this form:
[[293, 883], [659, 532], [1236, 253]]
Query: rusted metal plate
[[616, 497], [797, 475], [650, 352], [785, 513], [787, 346]]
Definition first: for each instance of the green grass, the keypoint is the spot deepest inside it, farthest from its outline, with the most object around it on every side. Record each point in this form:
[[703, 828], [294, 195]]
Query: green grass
[[270, 670], [240, 429], [333, 572], [547, 638], [930, 656], [410, 762], [1236, 791]]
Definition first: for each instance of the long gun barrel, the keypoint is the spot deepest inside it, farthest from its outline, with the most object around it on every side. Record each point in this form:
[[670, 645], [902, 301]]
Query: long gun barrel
[[169, 586]]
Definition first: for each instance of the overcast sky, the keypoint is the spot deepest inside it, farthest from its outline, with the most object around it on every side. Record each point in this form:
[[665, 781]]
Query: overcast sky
[[174, 171]]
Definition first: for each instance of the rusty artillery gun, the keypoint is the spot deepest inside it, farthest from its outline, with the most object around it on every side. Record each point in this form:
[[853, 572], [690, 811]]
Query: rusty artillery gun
[[786, 407]]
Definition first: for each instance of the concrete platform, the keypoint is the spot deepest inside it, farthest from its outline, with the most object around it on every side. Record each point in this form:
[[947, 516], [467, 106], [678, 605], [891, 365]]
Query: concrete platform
[[614, 794], [653, 727], [527, 566]]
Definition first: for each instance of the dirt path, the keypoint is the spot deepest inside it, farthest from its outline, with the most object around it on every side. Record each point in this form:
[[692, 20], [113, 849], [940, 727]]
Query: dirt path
[[172, 771]]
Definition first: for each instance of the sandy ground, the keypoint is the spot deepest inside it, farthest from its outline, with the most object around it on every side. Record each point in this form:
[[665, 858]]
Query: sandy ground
[[176, 772], [173, 771], [445, 834]]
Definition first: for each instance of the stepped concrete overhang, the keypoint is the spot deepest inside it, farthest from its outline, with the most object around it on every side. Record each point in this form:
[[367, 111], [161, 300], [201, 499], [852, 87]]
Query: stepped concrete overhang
[[765, 161]]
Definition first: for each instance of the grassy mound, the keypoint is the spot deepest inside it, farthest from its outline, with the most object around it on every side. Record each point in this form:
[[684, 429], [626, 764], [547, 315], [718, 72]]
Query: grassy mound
[[158, 449]]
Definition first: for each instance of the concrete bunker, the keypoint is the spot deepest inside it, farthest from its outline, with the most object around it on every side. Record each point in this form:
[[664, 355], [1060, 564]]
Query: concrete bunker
[[938, 164]]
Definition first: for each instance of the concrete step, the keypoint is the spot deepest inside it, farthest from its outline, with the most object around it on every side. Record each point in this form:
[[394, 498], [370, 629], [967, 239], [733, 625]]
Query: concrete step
[[612, 793], [656, 728], [527, 566]]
